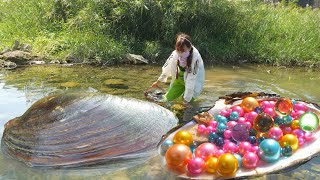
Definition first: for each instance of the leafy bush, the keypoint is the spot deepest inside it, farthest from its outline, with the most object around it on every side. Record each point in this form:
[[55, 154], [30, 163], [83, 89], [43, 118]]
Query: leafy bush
[[103, 31]]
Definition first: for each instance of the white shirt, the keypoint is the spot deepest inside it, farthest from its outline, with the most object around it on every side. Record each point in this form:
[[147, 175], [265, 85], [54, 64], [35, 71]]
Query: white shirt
[[194, 80]]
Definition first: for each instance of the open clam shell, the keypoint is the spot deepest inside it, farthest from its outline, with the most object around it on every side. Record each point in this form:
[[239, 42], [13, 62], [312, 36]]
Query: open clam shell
[[303, 154], [86, 129]]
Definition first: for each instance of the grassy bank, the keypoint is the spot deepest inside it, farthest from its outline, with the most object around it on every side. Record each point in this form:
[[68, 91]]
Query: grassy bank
[[103, 31]]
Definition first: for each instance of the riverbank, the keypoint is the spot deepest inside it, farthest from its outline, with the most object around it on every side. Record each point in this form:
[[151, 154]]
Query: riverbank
[[103, 33]]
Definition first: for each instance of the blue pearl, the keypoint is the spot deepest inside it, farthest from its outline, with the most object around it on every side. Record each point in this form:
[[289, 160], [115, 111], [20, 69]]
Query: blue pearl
[[252, 140], [219, 141], [166, 144], [258, 110]]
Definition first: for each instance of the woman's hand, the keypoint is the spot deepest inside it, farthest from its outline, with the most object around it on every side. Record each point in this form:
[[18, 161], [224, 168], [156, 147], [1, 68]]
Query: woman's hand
[[155, 84]]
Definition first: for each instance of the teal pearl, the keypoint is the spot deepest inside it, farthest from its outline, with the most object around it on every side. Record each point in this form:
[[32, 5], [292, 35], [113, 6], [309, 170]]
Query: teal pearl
[[269, 150], [221, 119], [260, 139], [212, 137], [287, 120], [193, 146], [234, 116], [252, 132], [221, 127], [286, 151], [239, 158], [278, 120]]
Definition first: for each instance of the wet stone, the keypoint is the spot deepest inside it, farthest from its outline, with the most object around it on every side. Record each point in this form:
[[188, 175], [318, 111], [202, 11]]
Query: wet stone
[[70, 84], [116, 83]]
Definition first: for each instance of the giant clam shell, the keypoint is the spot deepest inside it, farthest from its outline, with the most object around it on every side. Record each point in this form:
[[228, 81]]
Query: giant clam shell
[[302, 155], [82, 130]]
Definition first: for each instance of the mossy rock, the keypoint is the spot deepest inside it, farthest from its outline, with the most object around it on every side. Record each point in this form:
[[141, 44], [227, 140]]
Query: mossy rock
[[70, 84], [18, 57], [116, 83], [113, 91], [177, 107]]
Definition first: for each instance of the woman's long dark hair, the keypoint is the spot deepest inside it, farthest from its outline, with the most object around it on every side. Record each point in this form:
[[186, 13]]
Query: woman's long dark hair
[[185, 40]]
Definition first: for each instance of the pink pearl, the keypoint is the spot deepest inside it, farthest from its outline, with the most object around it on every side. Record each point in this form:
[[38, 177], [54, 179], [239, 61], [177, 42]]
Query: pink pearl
[[301, 141], [308, 136], [210, 129], [214, 130], [230, 124], [254, 149], [300, 107], [243, 147], [230, 147], [201, 128], [299, 113], [270, 111], [248, 124], [213, 123], [196, 166], [227, 134], [275, 133], [298, 132], [220, 152], [250, 160], [245, 115], [286, 129], [239, 110], [251, 116], [225, 113], [206, 150], [241, 120], [272, 104], [264, 104], [293, 114]]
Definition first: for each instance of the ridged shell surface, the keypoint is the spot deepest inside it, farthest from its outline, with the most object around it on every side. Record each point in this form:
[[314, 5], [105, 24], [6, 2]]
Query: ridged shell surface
[[75, 130]]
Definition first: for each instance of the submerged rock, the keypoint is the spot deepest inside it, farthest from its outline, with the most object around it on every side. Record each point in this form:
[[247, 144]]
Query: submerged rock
[[70, 84], [116, 83]]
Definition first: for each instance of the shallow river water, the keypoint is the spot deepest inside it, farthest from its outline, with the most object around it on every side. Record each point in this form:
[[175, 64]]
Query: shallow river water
[[20, 88]]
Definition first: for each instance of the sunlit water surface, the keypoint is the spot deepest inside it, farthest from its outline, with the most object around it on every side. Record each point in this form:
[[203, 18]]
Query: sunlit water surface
[[19, 89]]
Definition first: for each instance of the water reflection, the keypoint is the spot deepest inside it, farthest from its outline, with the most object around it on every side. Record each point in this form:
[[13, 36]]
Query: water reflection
[[20, 88]]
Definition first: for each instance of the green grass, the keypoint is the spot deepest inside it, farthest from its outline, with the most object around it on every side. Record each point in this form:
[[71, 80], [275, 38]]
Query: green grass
[[103, 31]]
